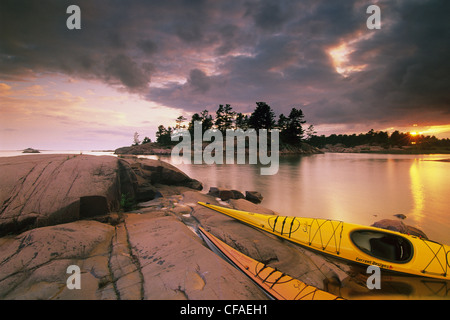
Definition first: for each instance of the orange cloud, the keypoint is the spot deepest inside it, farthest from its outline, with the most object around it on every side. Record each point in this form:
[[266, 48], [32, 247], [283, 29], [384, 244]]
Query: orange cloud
[[4, 89]]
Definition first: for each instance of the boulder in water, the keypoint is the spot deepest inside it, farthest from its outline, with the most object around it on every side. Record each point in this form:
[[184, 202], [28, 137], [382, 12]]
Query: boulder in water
[[399, 226], [253, 196]]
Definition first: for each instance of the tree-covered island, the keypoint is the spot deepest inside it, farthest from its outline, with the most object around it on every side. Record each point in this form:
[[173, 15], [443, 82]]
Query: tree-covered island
[[293, 137]]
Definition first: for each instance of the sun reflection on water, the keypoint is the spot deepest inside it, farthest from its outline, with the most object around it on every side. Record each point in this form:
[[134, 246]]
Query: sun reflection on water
[[417, 192]]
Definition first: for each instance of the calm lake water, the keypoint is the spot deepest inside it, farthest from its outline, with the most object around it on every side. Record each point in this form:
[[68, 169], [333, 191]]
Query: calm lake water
[[356, 188]]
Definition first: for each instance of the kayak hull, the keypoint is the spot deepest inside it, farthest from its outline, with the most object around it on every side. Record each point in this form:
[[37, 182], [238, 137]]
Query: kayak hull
[[275, 284], [386, 249]]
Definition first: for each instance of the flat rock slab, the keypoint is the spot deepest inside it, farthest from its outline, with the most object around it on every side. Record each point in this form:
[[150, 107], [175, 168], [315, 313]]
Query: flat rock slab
[[146, 256], [40, 190], [33, 265], [176, 265]]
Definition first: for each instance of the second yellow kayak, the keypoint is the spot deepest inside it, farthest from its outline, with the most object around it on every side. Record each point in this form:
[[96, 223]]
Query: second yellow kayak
[[276, 284]]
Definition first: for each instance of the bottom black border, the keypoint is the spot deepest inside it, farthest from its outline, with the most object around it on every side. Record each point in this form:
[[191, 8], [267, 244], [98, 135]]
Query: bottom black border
[[229, 309]]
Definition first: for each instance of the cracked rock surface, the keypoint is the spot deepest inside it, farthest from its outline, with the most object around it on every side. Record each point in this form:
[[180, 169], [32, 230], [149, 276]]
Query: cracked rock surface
[[146, 256]]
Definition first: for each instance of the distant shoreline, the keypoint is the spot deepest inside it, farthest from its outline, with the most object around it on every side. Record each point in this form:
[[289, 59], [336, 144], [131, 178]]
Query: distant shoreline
[[399, 153], [412, 152], [377, 149]]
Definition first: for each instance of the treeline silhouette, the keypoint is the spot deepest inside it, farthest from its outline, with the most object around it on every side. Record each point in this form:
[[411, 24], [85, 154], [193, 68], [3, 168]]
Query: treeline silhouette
[[382, 138], [291, 130], [263, 117]]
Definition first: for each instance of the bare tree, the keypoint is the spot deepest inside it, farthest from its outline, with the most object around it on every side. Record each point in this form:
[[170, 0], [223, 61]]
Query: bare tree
[[136, 139]]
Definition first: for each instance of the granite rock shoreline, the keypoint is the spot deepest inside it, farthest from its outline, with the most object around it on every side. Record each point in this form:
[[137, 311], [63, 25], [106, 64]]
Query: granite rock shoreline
[[130, 225]]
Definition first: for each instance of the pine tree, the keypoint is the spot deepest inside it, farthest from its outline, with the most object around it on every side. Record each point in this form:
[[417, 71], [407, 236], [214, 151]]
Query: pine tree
[[262, 118], [292, 131], [224, 117], [241, 121]]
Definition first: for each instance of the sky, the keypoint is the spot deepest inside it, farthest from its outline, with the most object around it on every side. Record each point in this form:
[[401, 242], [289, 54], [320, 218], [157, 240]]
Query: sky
[[137, 64]]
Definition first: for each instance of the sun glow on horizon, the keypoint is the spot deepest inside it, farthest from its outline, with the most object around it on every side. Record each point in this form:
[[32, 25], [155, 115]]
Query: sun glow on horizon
[[433, 130], [441, 131]]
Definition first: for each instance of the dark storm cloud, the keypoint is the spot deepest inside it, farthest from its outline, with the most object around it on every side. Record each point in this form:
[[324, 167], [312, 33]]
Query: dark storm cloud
[[127, 72], [270, 15], [198, 81], [34, 38], [240, 52], [409, 66], [147, 46]]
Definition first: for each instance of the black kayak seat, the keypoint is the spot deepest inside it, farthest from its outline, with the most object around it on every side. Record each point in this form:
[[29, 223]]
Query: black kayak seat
[[381, 245], [386, 248]]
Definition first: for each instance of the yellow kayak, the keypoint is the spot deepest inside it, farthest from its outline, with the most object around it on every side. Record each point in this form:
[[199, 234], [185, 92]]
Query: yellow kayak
[[274, 283], [386, 249]]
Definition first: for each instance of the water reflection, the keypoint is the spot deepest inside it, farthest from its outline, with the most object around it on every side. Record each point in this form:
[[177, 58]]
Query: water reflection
[[393, 287], [417, 192]]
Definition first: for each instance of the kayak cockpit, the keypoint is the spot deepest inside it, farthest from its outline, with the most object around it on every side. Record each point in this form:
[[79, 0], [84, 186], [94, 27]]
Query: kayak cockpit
[[383, 245]]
